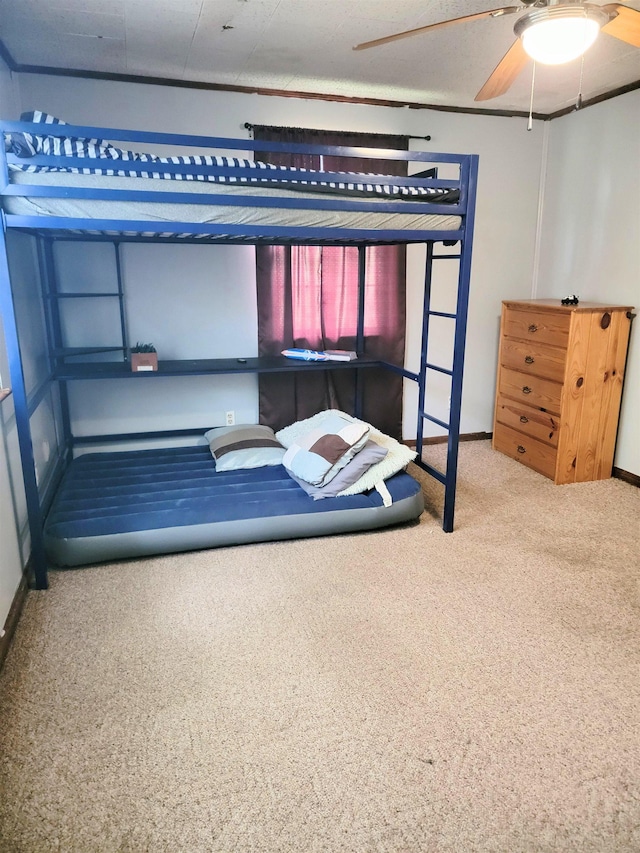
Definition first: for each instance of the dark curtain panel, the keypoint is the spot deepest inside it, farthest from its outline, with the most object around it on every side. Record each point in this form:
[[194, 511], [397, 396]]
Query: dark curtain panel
[[308, 297]]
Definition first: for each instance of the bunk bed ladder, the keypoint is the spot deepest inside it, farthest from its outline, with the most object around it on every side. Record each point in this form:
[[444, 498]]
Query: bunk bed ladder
[[452, 427]]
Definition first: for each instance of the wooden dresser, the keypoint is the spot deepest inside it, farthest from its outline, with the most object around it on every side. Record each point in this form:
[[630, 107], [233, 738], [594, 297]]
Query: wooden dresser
[[560, 375]]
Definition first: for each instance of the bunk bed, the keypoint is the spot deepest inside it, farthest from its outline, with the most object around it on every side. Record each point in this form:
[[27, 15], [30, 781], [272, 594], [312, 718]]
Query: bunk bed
[[61, 181]]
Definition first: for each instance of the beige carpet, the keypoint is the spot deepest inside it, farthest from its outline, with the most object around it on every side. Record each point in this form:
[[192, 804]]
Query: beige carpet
[[390, 692]]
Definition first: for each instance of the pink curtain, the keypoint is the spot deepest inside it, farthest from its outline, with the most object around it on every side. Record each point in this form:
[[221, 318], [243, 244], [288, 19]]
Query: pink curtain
[[308, 297]]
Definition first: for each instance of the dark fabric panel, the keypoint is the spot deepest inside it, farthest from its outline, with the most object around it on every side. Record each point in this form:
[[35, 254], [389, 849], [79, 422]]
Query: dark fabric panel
[[330, 276]]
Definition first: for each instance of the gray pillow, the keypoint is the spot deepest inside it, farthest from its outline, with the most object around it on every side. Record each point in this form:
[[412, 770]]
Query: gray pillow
[[361, 462], [244, 446]]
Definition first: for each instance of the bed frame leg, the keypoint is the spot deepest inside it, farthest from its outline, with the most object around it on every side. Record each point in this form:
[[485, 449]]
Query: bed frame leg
[[37, 561]]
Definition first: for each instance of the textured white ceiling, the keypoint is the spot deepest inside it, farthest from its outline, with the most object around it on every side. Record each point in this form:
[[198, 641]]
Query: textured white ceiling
[[306, 46]]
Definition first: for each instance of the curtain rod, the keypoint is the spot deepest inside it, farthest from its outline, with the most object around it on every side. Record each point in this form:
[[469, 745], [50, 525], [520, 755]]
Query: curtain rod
[[249, 126]]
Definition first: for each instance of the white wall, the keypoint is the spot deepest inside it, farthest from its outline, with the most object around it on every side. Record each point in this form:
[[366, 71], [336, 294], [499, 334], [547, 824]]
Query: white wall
[[181, 299], [590, 236], [12, 512], [510, 168]]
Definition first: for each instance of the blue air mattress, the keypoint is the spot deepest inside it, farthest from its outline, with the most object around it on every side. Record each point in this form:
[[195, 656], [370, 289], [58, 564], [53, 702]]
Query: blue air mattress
[[130, 504]]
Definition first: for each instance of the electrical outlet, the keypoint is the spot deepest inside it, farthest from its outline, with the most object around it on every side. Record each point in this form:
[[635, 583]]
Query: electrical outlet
[[230, 418]]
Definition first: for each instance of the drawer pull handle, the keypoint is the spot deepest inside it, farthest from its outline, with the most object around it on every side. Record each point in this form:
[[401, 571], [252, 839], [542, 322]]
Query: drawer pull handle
[[526, 390], [524, 419], [529, 359], [521, 449], [533, 328]]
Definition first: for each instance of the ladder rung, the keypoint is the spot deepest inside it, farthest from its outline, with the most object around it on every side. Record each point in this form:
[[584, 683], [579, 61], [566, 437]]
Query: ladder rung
[[433, 471], [69, 352], [439, 369], [435, 420], [442, 314], [80, 295]]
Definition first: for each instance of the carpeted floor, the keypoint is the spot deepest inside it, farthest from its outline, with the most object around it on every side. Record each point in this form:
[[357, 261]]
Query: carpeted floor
[[400, 691]]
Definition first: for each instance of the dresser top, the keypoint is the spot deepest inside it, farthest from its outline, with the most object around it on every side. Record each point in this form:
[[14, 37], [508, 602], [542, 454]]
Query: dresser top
[[556, 305]]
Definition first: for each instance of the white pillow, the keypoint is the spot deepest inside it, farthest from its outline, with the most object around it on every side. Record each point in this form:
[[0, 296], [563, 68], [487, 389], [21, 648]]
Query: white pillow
[[287, 435], [398, 455]]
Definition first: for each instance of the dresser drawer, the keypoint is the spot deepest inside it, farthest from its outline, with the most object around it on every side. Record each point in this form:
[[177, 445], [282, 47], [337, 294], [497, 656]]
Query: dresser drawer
[[534, 358], [532, 422], [534, 454], [531, 390], [539, 326]]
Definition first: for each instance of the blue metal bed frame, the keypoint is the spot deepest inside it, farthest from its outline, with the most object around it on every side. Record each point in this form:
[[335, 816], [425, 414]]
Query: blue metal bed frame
[[48, 228]]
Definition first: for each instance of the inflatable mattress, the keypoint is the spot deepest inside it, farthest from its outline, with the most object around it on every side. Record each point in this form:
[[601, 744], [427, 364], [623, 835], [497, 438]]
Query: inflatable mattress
[[129, 504]]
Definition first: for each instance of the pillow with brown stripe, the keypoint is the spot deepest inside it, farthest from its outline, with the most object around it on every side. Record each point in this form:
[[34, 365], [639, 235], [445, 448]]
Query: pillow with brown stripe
[[318, 455], [244, 446]]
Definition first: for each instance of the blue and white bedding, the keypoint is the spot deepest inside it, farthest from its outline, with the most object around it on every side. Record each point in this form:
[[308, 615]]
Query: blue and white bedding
[[216, 169]]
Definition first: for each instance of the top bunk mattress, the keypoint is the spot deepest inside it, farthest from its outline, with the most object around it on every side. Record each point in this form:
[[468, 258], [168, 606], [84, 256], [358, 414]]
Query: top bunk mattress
[[70, 181], [240, 216]]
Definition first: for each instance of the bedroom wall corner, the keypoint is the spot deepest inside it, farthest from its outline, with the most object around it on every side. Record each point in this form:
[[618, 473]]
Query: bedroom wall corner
[[590, 242], [544, 157]]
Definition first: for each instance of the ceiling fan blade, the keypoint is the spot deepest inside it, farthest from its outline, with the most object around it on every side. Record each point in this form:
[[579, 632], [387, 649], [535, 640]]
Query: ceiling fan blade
[[504, 73], [625, 25], [490, 13]]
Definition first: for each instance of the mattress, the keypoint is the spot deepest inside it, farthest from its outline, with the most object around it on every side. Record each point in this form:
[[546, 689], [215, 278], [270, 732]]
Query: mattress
[[135, 503], [239, 215]]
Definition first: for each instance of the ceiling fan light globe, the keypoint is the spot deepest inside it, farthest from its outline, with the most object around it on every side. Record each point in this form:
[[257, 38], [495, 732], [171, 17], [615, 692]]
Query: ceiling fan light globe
[[559, 40], [561, 32]]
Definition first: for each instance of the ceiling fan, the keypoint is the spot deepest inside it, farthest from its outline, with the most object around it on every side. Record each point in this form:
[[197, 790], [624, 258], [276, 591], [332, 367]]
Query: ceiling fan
[[551, 32]]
